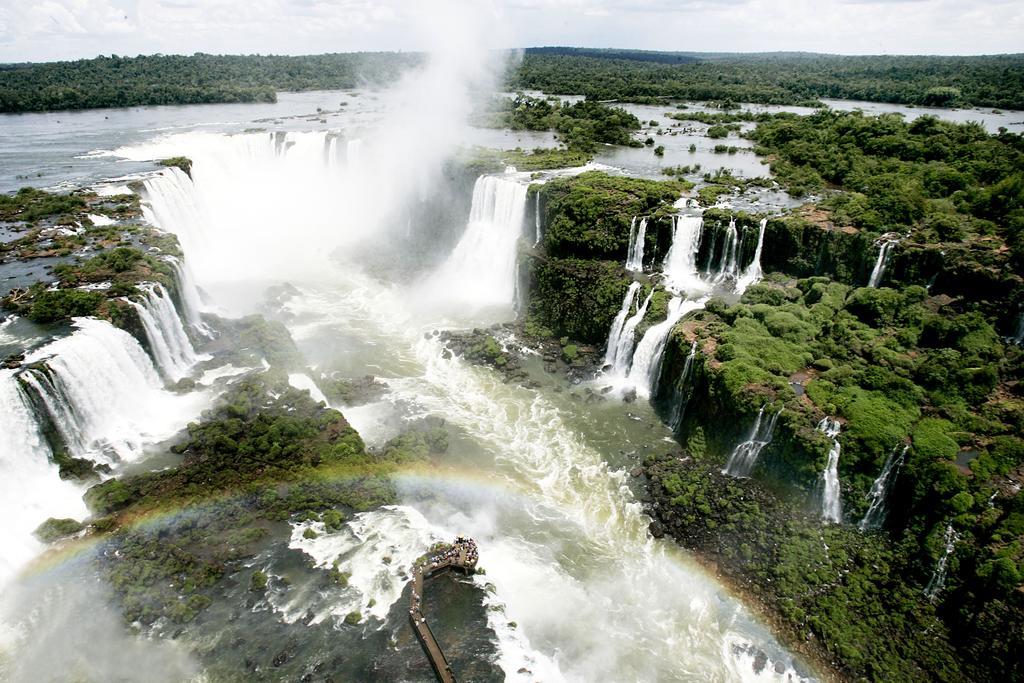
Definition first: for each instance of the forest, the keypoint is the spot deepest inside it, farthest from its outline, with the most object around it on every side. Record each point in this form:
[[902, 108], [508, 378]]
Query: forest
[[629, 75]]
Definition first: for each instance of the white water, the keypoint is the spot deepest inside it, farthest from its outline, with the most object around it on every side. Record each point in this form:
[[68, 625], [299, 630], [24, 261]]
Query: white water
[[30, 487], [562, 538], [728, 260], [637, 240], [304, 382], [536, 219], [645, 370], [622, 359], [938, 580], [879, 493], [831, 500], [885, 245], [680, 268], [190, 300], [753, 272], [743, 458], [377, 549], [618, 322], [167, 339], [682, 390], [104, 395], [480, 273]]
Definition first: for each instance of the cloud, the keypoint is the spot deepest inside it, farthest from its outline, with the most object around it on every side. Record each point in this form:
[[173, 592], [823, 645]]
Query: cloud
[[62, 29]]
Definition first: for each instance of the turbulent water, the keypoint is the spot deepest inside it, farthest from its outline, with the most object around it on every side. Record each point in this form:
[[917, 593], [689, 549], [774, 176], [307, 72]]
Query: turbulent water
[[562, 538], [576, 588]]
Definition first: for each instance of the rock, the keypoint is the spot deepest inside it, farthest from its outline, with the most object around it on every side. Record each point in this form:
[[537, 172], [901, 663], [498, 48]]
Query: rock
[[629, 396], [55, 529], [656, 529], [636, 471]]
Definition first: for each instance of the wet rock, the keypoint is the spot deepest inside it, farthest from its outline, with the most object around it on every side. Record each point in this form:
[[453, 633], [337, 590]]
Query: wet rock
[[636, 471], [629, 396], [657, 529]]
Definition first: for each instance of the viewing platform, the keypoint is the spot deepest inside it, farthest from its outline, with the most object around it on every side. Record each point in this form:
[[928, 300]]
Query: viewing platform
[[461, 555]]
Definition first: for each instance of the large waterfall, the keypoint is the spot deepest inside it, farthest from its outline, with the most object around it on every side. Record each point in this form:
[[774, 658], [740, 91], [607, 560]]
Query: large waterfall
[[611, 349], [753, 272], [481, 270], [879, 493], [727, 266], [645, 369], [681, 272], [831, 501], [191, 302], [31, 489], [637, 240], [167, 339], [103, 393], [744, 456], [622, 358]]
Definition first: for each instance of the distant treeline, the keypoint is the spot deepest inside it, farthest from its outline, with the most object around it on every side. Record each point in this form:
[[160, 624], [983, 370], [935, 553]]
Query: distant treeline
[[174, 79], [630, 75], [780, 78]]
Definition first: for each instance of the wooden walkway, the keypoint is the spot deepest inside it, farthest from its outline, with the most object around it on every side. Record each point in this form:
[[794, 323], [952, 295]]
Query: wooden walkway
[[462, 556]]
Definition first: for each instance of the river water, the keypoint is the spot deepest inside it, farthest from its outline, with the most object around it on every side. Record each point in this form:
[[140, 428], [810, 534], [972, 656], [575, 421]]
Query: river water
[[539, 477]]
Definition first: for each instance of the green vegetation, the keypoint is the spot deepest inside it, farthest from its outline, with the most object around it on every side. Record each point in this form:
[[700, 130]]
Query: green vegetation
[[779, 78], [183, 163], [55, 529], [59, 304], [30, 205], [581, 125], [200, 78], [265, 453]]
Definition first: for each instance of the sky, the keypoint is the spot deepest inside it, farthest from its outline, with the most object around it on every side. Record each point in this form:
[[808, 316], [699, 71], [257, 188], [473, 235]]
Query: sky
[[49, 30]]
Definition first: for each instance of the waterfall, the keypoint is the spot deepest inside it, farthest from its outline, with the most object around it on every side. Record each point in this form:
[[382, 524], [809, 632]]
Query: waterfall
[[622, 359], [681, 273], [31, 489], [103, 394], [167, 339], [831, 501], [753, 272], [536, 218], [744, 456], [190, 300], [637, 238], [353, 152], [617, 323], [885, 245], [879, 493], [728, 260], [303, 382], [938, 580], [683, 391], [481, 270], [173, 205], [645, 370]]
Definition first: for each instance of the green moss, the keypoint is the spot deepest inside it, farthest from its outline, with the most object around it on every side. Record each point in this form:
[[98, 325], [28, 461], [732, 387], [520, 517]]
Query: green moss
[[931, 439], [55, 529], [184, 163]]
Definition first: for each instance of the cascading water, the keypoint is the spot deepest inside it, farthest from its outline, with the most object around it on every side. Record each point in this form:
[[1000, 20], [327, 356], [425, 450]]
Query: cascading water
[[680, 267], [879, 493], [728, 261], [617, 324], [885, 245], [744, 456], [637, 240], [622, 358], [103, 394], [167, 339], [190, 300], [536, 219], [753, 272], [31, 489], [938, 580], [683, 390], [645, 369], [831, 501], [480, 273]]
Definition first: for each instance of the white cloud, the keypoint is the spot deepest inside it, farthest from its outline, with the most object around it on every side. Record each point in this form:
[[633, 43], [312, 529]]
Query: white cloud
[[62, 29]]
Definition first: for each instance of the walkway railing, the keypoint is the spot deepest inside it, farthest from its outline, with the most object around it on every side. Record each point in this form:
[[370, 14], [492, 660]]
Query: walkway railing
[[461, 555]]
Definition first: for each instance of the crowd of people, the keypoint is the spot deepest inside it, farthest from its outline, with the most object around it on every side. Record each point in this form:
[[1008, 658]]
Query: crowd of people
[[446, 553]]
